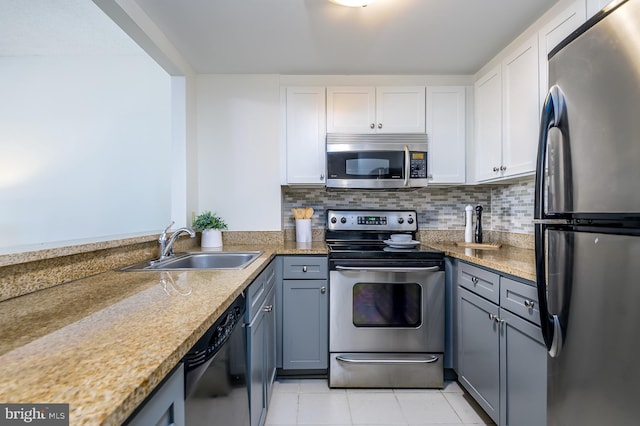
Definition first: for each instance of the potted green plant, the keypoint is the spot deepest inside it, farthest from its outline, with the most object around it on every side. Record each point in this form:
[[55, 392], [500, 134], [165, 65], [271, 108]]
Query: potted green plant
[[211, 226]]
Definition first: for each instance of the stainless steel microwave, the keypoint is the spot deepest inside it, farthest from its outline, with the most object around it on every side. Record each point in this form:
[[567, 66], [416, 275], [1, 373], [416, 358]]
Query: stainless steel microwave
[[376, 161]]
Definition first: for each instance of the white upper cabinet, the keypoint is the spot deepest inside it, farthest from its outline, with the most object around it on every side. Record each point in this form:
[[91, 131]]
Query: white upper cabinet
[[398, 109], [507, 115], [553, 33], [520, 109], [488, 125], [351, 109], [446, 124], [594, 6], [305, 135]]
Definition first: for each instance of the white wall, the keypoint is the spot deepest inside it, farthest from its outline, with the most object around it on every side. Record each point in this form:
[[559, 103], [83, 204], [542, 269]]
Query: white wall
[[238, 122], [85, 149]]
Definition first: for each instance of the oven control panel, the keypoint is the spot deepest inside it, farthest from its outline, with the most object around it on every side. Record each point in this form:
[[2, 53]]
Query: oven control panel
[[372, 220]]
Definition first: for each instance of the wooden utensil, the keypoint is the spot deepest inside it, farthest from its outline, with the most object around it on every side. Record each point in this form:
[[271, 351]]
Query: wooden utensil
[[308, 213]]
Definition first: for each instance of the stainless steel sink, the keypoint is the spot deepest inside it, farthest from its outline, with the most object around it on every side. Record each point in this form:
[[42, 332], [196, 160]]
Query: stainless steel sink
[[198, 261]]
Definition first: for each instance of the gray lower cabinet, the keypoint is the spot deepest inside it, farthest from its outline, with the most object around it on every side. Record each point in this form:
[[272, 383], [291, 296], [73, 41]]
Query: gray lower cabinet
[[261, 343], [502, 360], [479, 351], [305, 313], [165, 407], [523, 379]]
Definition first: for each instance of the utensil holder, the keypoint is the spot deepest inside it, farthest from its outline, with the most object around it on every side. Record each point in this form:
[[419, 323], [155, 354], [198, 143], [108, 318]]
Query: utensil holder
[[303, 230]]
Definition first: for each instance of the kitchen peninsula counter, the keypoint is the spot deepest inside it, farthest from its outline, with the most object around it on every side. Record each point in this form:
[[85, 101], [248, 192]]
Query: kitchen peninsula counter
[[103, 343], [519, 262]]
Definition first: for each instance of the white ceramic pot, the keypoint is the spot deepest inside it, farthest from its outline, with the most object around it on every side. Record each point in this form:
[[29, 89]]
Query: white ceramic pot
[[211, 238]]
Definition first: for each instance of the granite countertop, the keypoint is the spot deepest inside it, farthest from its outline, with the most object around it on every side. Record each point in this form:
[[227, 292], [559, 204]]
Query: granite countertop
[[519, 262], [103, 343]]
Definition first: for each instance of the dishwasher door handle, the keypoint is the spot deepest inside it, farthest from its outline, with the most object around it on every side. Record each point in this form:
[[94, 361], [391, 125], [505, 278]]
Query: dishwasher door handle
[[389, 269], [347, 360]]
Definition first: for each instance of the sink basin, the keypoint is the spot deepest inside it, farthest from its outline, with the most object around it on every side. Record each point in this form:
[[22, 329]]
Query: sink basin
[[198, 261]]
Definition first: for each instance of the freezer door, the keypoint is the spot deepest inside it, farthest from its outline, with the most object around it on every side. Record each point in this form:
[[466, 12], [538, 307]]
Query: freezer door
[[594, 291], [590, 131]]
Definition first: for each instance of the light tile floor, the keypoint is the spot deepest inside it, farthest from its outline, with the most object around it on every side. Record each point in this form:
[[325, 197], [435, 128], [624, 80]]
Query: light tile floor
[[311, 402]]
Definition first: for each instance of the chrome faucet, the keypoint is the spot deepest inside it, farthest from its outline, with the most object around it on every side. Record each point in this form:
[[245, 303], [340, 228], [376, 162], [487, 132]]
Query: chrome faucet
[[165, 246]]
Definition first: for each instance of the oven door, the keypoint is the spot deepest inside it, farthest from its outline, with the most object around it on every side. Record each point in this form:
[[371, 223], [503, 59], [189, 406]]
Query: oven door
[[386, 308]]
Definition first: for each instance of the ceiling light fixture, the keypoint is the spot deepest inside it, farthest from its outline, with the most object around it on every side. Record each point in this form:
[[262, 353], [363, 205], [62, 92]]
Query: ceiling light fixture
[[353, 3]]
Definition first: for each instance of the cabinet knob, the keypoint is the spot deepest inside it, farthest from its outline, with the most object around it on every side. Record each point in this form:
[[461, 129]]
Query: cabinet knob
[[496, 169], [503, 168], [268, 308], [429, 176], [322, 176], [372, 125], [529, 304], [323, 289], [304, 268], [493, 317], [474, 280], [379, 125]]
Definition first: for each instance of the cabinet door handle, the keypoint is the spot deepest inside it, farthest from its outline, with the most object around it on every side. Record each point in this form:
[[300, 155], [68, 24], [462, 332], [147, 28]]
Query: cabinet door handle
[[322, 176], [529, 304], [503, 168], [373, 125], [495, 169], [323, 289], [474, 280], [268, 308], [493, 317], [304, 268], [379, 125]]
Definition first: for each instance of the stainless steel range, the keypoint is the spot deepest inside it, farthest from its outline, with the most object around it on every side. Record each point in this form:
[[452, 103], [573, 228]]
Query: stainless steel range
[[386, 304]]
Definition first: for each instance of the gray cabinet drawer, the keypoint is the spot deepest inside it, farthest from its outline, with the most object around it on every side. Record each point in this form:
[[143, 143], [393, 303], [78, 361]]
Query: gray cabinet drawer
[[520, 298], [304, 267], [259, 289], [479, 281]]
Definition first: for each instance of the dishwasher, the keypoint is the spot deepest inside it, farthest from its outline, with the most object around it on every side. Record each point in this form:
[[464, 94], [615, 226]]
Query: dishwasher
[[216, 390]]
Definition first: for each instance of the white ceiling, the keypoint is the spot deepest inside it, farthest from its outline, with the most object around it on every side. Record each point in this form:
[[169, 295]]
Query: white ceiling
[[319, 37], [285, 36]]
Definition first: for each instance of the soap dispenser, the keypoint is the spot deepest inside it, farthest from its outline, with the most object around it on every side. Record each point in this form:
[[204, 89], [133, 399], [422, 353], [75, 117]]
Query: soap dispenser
[[478, 224]]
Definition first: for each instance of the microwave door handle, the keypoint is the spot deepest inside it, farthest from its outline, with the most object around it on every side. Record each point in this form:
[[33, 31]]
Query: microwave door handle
[[407, 165]]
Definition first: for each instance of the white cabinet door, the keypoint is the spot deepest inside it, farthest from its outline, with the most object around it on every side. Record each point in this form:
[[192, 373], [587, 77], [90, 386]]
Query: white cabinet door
[[446, 118], [305, 135], [594, 6], [351, 109], [400, 109], [520, 109], [488, 125], [553, 33], [376, 110]]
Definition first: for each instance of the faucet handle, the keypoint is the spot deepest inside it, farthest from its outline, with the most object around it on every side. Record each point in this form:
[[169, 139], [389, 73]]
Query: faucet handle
[[163, 236]]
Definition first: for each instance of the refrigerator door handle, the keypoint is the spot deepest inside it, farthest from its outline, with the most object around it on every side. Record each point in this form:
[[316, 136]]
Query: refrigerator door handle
[[553, 115], [547, 322]]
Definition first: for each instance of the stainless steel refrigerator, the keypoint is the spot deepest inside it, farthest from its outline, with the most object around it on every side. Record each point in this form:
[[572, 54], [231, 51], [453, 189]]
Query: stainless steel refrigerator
[[587, 222]]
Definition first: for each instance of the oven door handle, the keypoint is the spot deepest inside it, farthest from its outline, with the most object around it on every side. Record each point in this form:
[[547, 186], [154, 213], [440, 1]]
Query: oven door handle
[[347, 360], [391, 269]]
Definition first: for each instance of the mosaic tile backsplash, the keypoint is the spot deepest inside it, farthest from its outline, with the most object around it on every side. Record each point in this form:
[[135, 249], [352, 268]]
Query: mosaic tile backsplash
[[507, 208]]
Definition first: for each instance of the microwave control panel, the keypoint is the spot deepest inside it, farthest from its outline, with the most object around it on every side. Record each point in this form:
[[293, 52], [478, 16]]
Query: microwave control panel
[[418, 165]]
